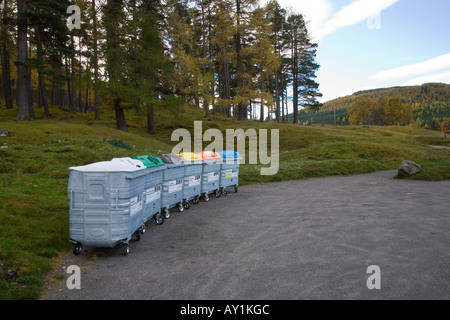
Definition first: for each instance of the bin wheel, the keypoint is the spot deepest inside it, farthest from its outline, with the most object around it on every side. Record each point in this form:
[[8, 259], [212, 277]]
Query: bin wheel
[[187, 205], [235, 189], [126, 249], [218, 193], [206, 198], [138, 235], [159, 219], [224, 192], [142, 230], [77, 248], [196, 200], [166, 214], [180, 207]]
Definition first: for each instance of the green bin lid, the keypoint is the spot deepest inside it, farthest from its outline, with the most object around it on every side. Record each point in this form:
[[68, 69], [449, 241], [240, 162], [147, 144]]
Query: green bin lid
[[150, 161]]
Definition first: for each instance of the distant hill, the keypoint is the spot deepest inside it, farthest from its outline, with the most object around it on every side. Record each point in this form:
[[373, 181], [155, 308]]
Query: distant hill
[[428, 102]]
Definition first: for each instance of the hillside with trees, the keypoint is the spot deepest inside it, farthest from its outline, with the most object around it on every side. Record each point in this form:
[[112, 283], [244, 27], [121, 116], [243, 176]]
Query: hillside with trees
[[426, 106], [235, 57]]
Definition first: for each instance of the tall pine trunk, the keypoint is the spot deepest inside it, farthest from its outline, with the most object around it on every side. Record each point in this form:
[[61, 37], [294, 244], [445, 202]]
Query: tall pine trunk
[[95, 36], [113, 58], [151, 120], [242, 108], [6, 77], [24, 111], [42, 93], [120, 115]]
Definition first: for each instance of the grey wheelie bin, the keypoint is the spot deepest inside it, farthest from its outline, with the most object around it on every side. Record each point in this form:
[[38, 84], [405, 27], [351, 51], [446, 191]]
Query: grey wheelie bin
[[106, 203], [192, 189], [153, 187], [210, 173], [229, 170], [172, 186]]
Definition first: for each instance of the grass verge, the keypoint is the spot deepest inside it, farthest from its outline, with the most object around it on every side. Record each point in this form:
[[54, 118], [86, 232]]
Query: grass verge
[[35, 157]]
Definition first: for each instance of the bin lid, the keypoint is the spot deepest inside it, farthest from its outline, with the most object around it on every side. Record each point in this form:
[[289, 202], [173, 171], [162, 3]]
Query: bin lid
[[229, 154], [172, 159], [190, 156], [115, 165], [150, 161], [209, 155]]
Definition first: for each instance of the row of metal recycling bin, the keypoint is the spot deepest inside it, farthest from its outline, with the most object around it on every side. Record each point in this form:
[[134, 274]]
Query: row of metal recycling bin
[[111, 201]]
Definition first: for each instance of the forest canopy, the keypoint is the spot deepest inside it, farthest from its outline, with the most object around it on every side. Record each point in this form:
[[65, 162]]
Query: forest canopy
[[236, 57]]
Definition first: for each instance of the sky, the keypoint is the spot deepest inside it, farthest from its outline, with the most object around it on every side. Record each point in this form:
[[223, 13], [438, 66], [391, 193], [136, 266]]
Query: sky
[[369, 44]]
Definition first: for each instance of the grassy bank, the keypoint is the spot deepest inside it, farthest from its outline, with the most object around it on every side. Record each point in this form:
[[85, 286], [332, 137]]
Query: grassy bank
[[35, 157]]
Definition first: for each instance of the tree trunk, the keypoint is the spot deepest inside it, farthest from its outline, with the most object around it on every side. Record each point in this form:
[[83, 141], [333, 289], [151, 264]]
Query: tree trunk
[[73, 93], [277, 96], [113, 57], [80, 74], [96, 103], [23, 76], [242, 108], [86, 101], [295, 84], [6, 79], [42, 93], [151, 120], [120, 116], [6, 76]]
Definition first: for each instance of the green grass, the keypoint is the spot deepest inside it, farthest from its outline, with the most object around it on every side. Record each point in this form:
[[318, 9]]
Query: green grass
[[35, 157]]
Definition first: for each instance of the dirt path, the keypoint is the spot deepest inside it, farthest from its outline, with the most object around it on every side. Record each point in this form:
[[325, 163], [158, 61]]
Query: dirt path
[[307, 239]]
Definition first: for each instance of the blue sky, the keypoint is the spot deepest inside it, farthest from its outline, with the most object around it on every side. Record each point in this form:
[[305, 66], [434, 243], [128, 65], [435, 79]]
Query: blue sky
[[366, 44]]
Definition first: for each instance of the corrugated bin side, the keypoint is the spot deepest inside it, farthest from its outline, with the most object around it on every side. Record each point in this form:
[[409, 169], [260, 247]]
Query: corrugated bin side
[[172, 186], [192, 189], [106, 203], [210, 173], [229, 171], [153, 187]]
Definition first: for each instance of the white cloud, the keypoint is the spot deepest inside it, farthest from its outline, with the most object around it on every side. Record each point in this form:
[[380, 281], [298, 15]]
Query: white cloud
[[440, 77], [435, 64], [354, 13], [317, 13]]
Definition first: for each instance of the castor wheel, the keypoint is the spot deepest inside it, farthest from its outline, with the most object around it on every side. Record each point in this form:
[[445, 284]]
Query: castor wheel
[[166, 214], [196, 200], [159, 219], [125, 248], [218, 193], [187, 205], [77, 248], [224, 192]]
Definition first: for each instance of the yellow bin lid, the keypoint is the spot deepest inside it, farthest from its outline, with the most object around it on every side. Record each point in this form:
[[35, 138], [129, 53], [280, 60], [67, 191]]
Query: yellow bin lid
[[190, 156]]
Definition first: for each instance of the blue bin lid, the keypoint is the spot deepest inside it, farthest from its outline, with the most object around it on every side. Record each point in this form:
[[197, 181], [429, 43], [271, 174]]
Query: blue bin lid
[[229, 154]]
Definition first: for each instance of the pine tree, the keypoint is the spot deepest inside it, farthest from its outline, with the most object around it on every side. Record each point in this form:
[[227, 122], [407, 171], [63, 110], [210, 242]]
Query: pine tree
[[5, 40], [24, 102]]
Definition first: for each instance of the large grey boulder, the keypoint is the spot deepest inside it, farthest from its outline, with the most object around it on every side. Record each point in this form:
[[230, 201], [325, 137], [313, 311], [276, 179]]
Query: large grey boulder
[[408, 167]]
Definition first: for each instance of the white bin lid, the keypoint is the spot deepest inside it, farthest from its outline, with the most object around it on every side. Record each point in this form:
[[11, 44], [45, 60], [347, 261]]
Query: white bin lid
[[115, 165]]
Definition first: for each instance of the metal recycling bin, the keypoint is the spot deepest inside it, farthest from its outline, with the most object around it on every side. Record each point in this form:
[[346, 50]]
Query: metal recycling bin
[[210, 173], [229, 170], [172, 186], [153, 187], [192, 189], [106, 203]]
